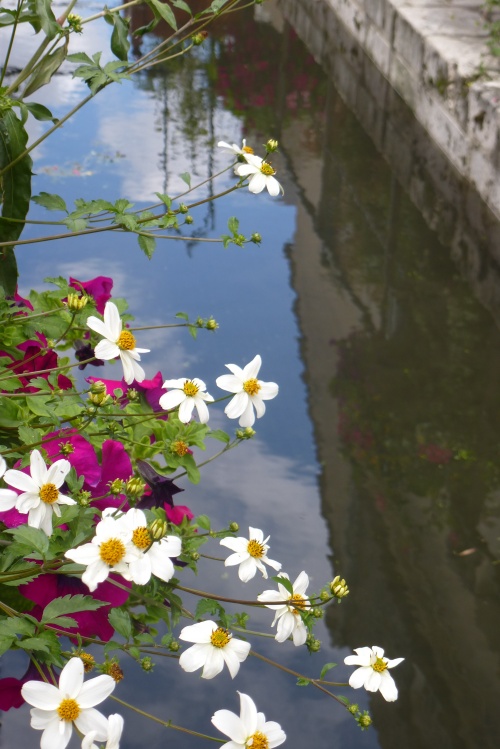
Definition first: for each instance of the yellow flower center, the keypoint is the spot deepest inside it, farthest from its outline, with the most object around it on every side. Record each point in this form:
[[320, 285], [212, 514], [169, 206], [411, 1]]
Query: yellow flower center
[[112, 551], [251, 387], [298, 602], [258, 741], [141, 537], [267, 169], [247, 149], [179, 447], [380, 665], [68, 709], [220, 637], [126, 341], [255, 549], [190, 389], [49, 494]]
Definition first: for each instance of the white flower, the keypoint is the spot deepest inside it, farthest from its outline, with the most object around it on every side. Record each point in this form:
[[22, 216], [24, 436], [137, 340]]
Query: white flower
[[250, 554], [261, 175], [186, 394], [57, 708], [40, 496], [8, 498], [115, 730], [117, 342], [249, 392], [250, 729], [213, 647], [111, 550], [288, 619], [233, 148], [372, 673], [155, 556]]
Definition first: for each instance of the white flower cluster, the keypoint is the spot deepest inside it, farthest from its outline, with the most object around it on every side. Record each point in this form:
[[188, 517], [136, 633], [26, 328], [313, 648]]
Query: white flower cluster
[[259, 170], [123, 544]]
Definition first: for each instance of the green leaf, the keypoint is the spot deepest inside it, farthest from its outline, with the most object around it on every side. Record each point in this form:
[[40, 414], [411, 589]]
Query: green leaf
[[35, 538], [36, 404], [233, 225], [75, 224], [120, 621], [51, 201], [10, 413], [182, 5], [204, 522], [5, 644], [120, 44], [147, 245], [192, 470], [285, 582], [164, 199], [163, 10], [46, 20], [16, 625], [69, 605], [40, 112], [80, 57], [28, 436], [45, 70], [303, 682], [327, 667], [219, 434], [34, 643], [207, 606], [186, 177], [15, 193]]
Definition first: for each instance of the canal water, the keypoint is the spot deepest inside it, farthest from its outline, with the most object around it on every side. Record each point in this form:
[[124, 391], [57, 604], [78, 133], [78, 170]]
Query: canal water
[[373, 303]]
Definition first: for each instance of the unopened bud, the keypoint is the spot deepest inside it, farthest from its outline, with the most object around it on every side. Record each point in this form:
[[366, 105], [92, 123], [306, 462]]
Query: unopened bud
[[195, 555], [364, 721], [98, 388], [317, 613], [75, 23], [188, 219], [339, 587], [324, 595], [199, 38], [83, 498], [66, 448], [116, 486], [76, 302], [354, 709], [234, 527], [135, 487], [147, 663], [158, 529], [211, 324], [174, 646], [245, 434], [133, 395], [183, 208], [313, 644], [87, 660], [98, 399], [271, 145], [256, 238]]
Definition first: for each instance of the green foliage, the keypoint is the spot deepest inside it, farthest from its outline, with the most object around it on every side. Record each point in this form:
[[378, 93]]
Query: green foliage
[[43, 73], [95, 76]]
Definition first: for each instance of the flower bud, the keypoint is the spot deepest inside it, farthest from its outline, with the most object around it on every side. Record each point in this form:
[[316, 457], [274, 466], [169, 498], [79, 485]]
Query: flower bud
[[211, 324], [98, 388], [66, 448], [364, 721], [98, 399], [317, 613], [271, 145], [234, 527], [183, 208], [199, 38], [117, 486], [135, 487], [174, 646], [76, 302], [245, 434], [75, 23], [133, 395], [339, 587], [158, 529], [188, 219], [313, 645], [87, 660], [354, 709], [147, 663], [195, 555], [83, 498], [324, 595], [256, 238]]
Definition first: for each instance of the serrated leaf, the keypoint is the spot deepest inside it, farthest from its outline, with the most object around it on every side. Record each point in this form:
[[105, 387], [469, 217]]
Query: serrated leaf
[[5, 644], [27, 435], [75, 224], [327, 667], [120, 621], [33, 643], [147, 245], [80, 57], [35, 538], [69, 605], [65, 622], [16, 625], [49, 65], [51, 201]]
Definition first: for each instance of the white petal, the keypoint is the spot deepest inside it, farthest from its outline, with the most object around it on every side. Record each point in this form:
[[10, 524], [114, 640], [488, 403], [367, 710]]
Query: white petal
[[20, 480], [95, 690], [357, 678], [8, 499], [186, 410], [172, 399], [71, 678], [194, 657], [56, 735], [247, 418], [57, 473], [38, 469], [273, 186], [301, 583], [199, 632], [214, 662], [259, 405], [227, 722], [106, 350], [248, 714], [93, 720], [98, 326], [140, 570], [40, 719], [251, 370], [372, 681], [39, 694], [247, 570], [388, 688], [179, 383], [230, 383], [257, 183], [237, 405], [112, 320], [203, 413]]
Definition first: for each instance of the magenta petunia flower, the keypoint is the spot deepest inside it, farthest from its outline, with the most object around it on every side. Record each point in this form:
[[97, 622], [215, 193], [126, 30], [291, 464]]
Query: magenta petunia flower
[[77, 450], [43, 589], [115, 464], [151, 389], [98, 288], [10, 687]]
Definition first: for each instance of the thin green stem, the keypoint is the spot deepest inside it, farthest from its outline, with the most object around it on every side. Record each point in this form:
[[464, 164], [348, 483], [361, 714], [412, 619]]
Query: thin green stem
[[11, 41]]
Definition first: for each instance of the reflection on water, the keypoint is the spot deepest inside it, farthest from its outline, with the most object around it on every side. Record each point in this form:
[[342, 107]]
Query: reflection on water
[[398, 366]]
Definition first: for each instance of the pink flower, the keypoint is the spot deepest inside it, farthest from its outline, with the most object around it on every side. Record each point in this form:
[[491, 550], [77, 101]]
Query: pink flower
[[151, 389], [115, 464], [98, 288]]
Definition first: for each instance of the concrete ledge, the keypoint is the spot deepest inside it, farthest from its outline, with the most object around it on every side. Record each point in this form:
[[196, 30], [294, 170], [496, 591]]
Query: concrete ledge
[[435, 55]]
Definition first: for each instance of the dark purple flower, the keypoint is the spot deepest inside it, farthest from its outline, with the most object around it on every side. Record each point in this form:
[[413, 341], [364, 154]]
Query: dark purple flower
[[162, 488], [84, 352]]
